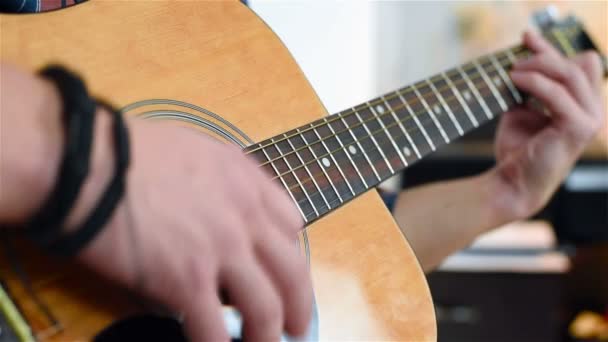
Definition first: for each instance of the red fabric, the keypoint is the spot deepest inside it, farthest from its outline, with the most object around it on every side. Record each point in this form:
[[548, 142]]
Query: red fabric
[[47, 5]]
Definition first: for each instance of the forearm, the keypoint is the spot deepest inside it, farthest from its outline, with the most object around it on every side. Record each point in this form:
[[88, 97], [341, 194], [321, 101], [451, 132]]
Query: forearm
[[441, 218]]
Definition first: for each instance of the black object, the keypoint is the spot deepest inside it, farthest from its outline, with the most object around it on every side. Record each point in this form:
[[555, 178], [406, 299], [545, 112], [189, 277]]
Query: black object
[[78, 118], [69, 244], [499, 306], [146, 327], [581, 206], [143, 328]]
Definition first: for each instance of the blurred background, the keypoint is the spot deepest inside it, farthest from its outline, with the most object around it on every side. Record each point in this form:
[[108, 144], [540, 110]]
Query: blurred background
[[545, 279]]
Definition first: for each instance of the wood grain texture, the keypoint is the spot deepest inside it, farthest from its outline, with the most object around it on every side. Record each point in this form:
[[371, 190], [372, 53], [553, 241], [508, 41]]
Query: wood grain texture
[[221, 56]]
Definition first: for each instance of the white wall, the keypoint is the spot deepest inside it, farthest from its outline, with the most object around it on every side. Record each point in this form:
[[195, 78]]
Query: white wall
[[352, 51], [332, 43]]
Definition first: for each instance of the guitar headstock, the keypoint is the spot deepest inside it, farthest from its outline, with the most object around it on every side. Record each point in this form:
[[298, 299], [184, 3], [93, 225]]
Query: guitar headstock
[[568, 34]]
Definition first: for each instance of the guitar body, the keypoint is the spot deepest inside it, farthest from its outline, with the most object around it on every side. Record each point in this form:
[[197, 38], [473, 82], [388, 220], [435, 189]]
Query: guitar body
[[217, 55]]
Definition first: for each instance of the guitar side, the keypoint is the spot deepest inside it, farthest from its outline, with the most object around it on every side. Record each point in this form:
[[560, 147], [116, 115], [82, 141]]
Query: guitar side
[[219, 55]]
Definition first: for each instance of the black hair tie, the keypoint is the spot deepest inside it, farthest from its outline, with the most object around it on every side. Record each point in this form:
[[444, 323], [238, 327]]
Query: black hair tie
[[70, 243], [78, 119], [45, 227]]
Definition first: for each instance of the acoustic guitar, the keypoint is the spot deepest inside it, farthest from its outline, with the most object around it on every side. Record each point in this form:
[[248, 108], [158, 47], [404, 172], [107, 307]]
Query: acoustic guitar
[[217, 68]]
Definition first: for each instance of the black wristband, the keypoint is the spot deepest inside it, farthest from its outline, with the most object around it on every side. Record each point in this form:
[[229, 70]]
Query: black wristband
[[71, 243], [78, 120]]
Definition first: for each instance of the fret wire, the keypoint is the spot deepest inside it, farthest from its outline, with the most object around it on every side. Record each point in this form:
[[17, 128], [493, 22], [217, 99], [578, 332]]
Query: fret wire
[[390, 137], [462, 102], [431, 114], [396, 94], [506, 79], [348, 156], [415, 117], [331, 155], [406, 119], [475, 91], [314, 181], [446, 107], [280, 176], [486, 78], [360, 148], [390, 167], [357, 141], [310, 173], [518, 50], [400, 124], [354, 142]]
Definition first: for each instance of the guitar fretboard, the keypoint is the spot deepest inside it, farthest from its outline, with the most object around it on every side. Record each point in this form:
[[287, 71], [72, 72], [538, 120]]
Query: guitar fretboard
[[332, 160]]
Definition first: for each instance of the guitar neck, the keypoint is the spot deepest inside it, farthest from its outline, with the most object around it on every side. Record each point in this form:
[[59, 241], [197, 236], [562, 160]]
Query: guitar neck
[[332, 160]]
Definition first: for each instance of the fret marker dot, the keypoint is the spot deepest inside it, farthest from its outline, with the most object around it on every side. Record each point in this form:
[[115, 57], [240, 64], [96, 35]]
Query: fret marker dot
[[379, 109], [352, 149], [326, 162], [407, 151], [467, 95], [496, 80], [436, 109]]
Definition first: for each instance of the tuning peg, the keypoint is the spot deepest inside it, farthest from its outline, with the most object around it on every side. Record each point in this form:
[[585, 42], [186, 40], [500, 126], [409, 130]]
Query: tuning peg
[[546, 17]]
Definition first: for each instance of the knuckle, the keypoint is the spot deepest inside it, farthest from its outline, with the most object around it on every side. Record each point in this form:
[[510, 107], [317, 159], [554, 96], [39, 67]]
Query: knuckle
[[197, 274], [232, 237], [574, 72]]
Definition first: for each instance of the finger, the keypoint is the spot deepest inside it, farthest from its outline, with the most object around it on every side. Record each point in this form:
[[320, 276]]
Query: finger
[[563, 71], [591, 63], [287, 267], [203, 318], [253, 294], [538, 44], [283, 209], [563, 107]]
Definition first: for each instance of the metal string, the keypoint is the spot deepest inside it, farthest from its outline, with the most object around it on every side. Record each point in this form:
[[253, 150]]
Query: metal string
[[475, 75], [354, 111], [390, 110]]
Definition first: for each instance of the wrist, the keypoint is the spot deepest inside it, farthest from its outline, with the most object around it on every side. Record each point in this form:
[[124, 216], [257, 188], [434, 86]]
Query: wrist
[[506, 199]]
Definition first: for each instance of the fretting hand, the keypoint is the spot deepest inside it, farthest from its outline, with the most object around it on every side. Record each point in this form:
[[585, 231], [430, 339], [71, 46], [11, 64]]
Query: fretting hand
[[535, 151]]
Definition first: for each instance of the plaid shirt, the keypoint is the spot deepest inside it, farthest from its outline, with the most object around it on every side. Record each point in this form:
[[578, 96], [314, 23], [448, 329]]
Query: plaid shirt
[[30, 6]]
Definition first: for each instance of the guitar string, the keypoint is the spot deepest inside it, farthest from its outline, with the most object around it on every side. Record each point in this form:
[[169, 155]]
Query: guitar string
[[383, 141], [416, 99], [551, 36], [476, 75], [384, 138], [391, 111]]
